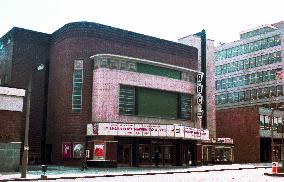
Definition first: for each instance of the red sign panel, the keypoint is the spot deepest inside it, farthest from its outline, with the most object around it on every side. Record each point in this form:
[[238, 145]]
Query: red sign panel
[[99, 151], [66, 150]]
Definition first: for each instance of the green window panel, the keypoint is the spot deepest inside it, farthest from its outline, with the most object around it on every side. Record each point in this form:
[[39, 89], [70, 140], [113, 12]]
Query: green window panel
[[156, 103], [154, 70], [126, 100], [185, 108]]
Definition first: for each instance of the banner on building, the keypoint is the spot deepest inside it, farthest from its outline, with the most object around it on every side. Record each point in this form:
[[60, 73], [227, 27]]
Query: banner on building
[[99, 150], [66, 150]]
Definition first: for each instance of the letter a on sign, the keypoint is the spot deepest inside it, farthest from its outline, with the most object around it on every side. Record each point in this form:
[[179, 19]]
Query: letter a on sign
[[199, 77]]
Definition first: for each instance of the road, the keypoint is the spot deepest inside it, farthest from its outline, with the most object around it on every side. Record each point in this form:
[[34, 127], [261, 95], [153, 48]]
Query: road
[[245, 175]]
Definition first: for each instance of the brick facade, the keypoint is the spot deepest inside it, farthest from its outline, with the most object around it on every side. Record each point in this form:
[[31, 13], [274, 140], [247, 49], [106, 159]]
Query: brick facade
[[241, 124]]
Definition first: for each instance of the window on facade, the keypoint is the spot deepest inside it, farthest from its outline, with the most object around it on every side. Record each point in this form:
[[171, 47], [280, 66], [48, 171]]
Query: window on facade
[[219, 99], [246, 63], [252, 62], [261, 122], [258, 61], [224, 84], [235, 81], [265, 60], [218, 85], [224, 98], [246, 48], [241, 80], [77, 86], [258, 45], [272, 74], [277, 56], [126, 100], [230, 98], [266, 92], [241, 96], [229, 83], [254, 94], [259, 77], [219, 70], [240, 65], [273, 91], [236, 96], [259, 93], [247, 95], [277, 40], [253, 78], [265, 75], [279, 90], [247, 79], [263, 43], [154, 103], [270, 41], [229, 53]]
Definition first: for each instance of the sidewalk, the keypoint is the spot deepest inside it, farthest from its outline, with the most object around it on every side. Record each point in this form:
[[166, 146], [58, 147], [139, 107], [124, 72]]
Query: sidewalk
[[62, 172]]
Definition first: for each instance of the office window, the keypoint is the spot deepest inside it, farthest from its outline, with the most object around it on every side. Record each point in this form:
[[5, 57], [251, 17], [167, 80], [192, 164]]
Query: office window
[[259, 77], [251, 47], [259, 93], [241, 96], [229, 53], [252, 62], [241, 49], [224, 69], [218, 85], [258, 45], [265, 59], [263, 43], [224, 98], [272, 74], [247, 95], [236, 96], [185, 106], [253, 94], [265, 75], [77, 86], [266, 92], [241, 80], [277, 40], [246, 63], [224, 84], [235, 81], [253, 78], [273, 91], [279, 90], [240, 65], [246, 48], [219, 100], [277, 56], [230, 98], [219, 70], [270, 41], [258, 61], [229, 83], [247, 79]]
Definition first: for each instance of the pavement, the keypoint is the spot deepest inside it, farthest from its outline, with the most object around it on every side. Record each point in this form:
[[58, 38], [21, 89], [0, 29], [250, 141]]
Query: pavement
[[62, 172]]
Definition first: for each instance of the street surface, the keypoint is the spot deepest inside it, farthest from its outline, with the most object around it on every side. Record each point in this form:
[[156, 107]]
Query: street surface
[[245, 175]]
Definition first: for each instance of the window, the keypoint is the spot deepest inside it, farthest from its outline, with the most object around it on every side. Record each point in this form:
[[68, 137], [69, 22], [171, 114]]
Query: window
[[126, 100], [246, 48], [261, 121], [218, 85], [264, 43], [277, 40], [224, 98], [241, 96], [277, 56], [273, 91], [229, 53], [247, 79], [219, 70], [265, 59], [253, 78], [258, 61], [235, 81], [252, 62], [251, 47], [219, 99], [240, 65], [229, 83], [254, 94], [246, 63], [241, 80], [236, 96], [247, 95], [279, 90], [272, 74], [270, 41], [266, 92], [259, 93], [266, 76], [224, 69], [258, 45], [230, 98], [259, 77], [77, 86], [224, 84], [154, 103]]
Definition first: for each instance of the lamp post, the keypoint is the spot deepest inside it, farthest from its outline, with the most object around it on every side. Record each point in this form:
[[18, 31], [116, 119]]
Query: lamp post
[[27, 126]]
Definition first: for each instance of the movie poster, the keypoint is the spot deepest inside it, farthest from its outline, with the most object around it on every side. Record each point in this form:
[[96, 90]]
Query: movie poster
[[66, 150], [99, 151]]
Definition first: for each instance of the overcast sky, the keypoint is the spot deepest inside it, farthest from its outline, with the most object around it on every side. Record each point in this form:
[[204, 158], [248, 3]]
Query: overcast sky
[[166, 19]]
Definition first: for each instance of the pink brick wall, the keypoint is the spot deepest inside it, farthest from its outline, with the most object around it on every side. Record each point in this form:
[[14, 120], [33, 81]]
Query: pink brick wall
[[106, 90]]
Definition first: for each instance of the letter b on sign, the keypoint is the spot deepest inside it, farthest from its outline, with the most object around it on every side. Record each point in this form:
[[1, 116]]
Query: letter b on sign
[[199, 89]]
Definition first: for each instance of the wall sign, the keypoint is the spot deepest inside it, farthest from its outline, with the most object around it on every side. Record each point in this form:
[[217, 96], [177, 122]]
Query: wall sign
[[99, 150], [199, 98]]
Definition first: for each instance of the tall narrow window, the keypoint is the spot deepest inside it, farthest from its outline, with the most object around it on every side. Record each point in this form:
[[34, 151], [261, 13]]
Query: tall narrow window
[[126, 100], [185, 106], [77, 86]]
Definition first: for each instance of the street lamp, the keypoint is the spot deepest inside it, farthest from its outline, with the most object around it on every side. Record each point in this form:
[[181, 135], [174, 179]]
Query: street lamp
[[26, 141]]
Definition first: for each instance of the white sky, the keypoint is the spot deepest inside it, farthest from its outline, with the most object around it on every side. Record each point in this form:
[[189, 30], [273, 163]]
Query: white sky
[[166, 19]]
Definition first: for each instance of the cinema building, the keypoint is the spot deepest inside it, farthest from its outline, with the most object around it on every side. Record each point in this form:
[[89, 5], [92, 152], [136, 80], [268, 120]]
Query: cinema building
[[119, 95], [249, 93]]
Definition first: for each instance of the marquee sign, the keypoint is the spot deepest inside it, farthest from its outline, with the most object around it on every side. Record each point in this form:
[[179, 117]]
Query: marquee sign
[[147, 130]]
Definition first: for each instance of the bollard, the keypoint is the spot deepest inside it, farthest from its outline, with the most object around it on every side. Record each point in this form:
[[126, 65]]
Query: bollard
[[43, 169]]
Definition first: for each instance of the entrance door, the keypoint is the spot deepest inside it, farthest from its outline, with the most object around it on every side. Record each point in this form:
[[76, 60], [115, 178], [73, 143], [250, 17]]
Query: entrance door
[[125, 155], [167, 154]]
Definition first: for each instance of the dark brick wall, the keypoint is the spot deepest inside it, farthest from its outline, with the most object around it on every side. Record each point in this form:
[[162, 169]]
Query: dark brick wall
[[71, 44], [241, 124], [29, 50], [11, 126]]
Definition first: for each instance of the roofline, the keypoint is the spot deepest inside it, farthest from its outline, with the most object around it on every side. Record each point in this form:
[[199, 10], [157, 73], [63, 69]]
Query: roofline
[[147, 62]]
